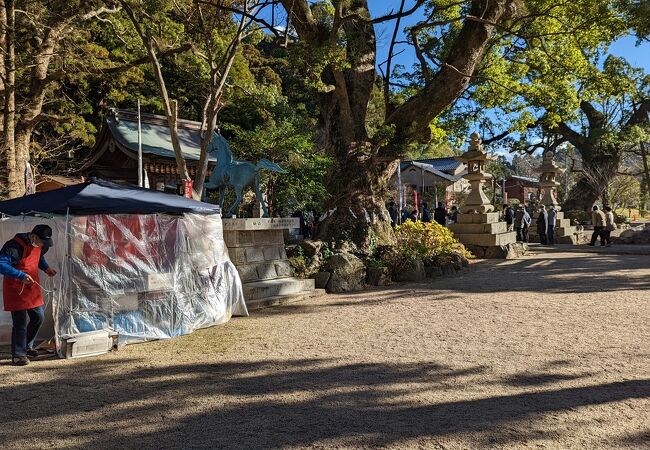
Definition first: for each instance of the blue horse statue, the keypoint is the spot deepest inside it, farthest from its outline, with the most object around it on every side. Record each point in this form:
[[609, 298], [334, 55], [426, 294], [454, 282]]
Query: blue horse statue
[[236, 174]]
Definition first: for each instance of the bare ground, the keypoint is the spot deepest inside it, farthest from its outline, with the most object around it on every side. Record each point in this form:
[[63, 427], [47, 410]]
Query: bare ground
[[550, 351]]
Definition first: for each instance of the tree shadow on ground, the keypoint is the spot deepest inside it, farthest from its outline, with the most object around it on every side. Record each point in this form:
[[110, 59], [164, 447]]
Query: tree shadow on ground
[[574, 274], [538, 274], [275, 404]]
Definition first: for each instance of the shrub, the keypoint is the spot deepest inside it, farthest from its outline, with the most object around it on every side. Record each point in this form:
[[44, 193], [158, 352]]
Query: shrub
[[422, 241], [577, 216], [300, 266]]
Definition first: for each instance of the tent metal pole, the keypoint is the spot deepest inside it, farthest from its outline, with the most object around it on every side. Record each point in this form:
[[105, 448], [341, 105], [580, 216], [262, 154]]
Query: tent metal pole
[[140, 181]]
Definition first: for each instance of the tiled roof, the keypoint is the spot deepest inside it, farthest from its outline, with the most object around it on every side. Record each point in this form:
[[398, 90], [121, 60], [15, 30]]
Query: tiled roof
[[526, 179], [429, 168], [123, 125], [448, 165]]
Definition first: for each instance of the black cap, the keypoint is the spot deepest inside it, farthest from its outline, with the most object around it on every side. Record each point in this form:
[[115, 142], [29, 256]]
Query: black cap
[[44, 233]]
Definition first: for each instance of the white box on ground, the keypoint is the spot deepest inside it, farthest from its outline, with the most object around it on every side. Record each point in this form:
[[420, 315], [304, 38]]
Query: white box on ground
[[91, 343]]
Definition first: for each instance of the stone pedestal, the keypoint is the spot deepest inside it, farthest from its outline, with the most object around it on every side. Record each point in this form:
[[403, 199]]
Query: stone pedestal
[[478, 228], [484, 230], [256, 248]]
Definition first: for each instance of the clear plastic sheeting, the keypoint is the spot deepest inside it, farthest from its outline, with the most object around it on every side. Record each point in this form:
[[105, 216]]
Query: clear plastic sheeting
[[144, 276]]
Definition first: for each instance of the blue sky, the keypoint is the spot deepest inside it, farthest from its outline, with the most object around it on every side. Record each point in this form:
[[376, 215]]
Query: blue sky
[[638, 56]]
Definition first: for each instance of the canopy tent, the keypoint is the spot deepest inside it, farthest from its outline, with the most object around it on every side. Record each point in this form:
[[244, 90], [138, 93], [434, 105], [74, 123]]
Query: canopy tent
[[146, 264], [103, 197]]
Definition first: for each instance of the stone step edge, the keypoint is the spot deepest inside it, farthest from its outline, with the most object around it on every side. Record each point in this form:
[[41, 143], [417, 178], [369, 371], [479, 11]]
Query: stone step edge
[[272, 288], [278, 300]]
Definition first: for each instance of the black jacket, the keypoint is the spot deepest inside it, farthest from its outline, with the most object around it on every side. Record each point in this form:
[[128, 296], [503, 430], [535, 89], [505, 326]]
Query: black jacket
[[440, 215]]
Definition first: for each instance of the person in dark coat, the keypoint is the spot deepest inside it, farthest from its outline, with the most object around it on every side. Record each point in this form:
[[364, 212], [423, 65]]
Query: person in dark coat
[[440, 214], [392, 212], [519, 223], [509, 216], [542, 225], [20, 260], [552, 217], [426, 214]]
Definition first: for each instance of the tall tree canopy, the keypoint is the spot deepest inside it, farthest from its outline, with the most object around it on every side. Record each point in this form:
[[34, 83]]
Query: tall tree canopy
[[557, 79]]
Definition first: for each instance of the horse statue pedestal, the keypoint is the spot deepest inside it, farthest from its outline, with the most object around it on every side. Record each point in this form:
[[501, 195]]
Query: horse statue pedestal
[[256, 248]]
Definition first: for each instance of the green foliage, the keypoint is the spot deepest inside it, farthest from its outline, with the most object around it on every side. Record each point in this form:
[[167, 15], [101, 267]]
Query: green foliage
[[422, 241], [283, 135], [300, 263]]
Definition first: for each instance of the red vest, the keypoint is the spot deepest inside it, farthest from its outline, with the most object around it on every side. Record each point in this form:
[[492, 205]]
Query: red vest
[[18, 296]]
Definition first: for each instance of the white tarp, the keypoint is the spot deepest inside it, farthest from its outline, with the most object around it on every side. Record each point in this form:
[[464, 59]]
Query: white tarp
[[147, 277]]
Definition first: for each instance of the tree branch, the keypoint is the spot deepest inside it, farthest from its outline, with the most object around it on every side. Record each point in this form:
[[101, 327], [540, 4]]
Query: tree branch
[[412, 118], [574, 138], [252, 17], [387, 107]]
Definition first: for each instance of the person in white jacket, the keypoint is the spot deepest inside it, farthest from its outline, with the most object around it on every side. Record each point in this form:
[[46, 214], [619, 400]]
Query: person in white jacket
[[610, 226]]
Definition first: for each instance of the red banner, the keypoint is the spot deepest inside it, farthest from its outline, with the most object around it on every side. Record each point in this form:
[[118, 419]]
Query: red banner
[[187, 188]]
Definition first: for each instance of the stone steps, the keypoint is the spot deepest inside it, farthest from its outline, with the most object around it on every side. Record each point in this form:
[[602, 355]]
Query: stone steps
[[287, 286], [282, 299], [487, 240], [264, 270], [256, 247]]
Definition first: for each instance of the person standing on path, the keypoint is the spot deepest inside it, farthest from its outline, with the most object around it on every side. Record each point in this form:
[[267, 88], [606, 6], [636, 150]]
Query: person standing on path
[[509, 216], [610, 225], [426, 214], [550, 234], [440, 214], [542, 225], [453, 214], [521, 226], [598, 220], [20, 260], [527, 220]]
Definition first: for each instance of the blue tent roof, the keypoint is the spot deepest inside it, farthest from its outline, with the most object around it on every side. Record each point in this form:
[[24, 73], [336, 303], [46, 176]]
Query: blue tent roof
[[103, 197]]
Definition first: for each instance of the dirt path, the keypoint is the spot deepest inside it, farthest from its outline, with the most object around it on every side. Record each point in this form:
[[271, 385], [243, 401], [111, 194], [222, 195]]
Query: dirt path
[[533, 353]]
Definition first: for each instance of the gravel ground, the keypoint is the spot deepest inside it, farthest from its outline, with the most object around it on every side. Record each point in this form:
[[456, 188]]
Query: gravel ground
[[550, 351]]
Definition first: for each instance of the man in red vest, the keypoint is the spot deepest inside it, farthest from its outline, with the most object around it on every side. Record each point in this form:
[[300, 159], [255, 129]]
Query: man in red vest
[[20, 260]]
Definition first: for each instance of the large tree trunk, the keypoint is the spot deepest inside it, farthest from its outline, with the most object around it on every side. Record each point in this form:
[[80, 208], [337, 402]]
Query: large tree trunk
[[598, 171], [600, 160], [9, 125], [359, 178], [218, 77], [3, 74], [358, 213]]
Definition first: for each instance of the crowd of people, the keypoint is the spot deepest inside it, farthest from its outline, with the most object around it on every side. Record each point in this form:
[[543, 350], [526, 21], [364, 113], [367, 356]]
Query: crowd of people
[[440, 214], [517, 218]]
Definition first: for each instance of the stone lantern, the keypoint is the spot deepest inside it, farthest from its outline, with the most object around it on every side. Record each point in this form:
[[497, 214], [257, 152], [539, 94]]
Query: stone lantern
[[549, 172], [475, 158], [478, 226], [548, 180]]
